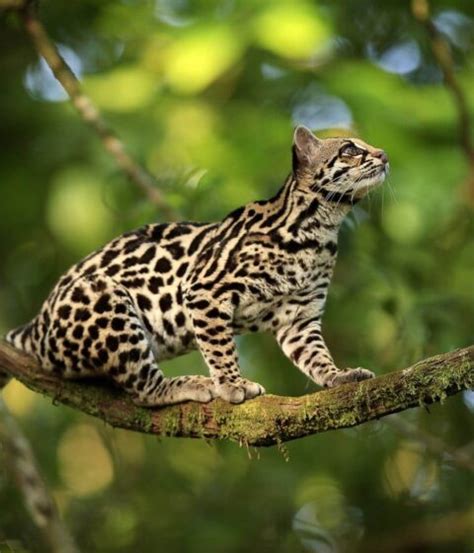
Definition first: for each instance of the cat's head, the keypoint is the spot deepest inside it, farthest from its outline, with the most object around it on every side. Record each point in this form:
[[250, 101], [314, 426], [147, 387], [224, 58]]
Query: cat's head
[[341, 169]]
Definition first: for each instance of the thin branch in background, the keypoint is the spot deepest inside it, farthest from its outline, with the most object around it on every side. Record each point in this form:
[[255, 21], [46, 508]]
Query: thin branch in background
[[88, 111], [263, 421], [435, 533], [442, 53], [433, 444], [20, 459]]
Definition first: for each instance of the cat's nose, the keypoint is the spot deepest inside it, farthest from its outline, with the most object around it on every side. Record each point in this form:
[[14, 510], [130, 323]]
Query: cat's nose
[[381, 155]]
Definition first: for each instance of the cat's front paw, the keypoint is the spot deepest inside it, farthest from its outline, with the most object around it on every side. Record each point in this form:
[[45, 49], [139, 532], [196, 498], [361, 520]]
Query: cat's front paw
[[239, 391], [350, 375]]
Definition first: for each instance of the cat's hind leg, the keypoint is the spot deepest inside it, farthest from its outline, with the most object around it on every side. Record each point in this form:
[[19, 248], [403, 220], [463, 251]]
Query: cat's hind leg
[[101, 333]]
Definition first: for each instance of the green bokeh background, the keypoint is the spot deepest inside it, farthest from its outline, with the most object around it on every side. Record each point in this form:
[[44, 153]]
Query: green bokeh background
[[206, 94]]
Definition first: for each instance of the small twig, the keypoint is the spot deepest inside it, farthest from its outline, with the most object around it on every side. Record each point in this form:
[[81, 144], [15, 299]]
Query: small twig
[[442, 53], [11, 4], [432, 443], [264, 421], [21, 461], [87, 110]]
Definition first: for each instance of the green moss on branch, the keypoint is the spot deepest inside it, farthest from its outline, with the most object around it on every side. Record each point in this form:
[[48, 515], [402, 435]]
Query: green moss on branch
[[266, 420]]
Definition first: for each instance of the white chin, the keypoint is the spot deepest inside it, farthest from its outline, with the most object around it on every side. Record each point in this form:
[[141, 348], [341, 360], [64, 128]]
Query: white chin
[[367, 184]]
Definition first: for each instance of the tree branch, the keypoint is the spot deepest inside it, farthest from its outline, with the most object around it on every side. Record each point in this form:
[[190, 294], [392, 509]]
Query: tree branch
[[39, 502], [443, 56], [264, 421], [86, 108]]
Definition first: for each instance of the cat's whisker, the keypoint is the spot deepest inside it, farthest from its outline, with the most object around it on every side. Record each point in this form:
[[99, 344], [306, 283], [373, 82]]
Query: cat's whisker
[[392, 192]]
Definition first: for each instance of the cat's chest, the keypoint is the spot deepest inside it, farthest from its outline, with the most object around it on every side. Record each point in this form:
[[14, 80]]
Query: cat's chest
[[298, 284], [302, 273]]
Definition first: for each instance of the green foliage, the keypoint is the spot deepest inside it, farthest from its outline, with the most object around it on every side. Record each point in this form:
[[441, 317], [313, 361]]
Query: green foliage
[[206, 94]]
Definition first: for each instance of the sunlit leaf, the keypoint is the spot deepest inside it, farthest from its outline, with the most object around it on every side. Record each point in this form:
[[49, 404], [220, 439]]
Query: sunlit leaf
[[403, 223], [84, 462], [19, 399], [199, 56], [76, 211], [123, 89], [291, 29]]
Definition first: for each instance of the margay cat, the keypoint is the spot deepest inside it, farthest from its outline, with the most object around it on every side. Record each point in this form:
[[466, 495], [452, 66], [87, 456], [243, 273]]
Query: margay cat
[[164, 289]]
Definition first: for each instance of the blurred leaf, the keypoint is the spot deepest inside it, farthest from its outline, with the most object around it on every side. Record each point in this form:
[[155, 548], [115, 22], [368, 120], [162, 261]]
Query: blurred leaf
[[199, 56], [124, 89], [76, 212], [291, 30], [402, 222], [85, 464]]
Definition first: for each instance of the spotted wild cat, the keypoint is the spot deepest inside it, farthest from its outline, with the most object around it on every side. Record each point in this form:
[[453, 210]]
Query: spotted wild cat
[[164, 289]]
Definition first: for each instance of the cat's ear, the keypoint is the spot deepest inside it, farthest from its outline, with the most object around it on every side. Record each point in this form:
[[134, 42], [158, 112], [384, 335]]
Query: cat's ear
[[305, 147]]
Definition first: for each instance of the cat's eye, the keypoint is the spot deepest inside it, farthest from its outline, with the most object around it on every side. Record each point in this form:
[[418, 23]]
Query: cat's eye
[[351, 150]]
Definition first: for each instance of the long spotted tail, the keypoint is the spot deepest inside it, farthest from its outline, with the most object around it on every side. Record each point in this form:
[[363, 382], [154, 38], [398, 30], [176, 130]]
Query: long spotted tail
[[20, 338]]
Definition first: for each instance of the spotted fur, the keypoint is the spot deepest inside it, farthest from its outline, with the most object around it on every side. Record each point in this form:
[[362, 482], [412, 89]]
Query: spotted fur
[[165, 289]]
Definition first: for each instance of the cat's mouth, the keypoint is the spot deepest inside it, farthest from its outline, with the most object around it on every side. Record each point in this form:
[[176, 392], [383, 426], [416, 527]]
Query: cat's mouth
[[371, 180]]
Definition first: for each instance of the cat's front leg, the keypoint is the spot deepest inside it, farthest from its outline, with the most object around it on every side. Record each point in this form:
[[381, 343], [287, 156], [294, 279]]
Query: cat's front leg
[[212, 322], [303, 343]]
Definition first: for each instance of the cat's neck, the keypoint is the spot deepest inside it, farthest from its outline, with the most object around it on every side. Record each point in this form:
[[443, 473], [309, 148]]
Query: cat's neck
[[305, 214]]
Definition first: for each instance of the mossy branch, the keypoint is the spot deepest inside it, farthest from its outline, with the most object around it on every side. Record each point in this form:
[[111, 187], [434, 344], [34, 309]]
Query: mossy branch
[[264, 421]]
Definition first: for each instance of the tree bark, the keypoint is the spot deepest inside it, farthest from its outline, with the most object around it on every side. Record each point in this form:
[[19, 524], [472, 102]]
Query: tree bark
[[21, 461], [266, 420]]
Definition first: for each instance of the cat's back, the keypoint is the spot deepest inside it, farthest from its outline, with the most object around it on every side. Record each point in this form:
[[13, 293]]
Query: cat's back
[[131, 259], [148, 262]]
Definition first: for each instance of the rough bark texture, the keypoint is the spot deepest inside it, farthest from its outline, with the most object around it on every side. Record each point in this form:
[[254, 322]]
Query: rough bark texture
[[266, 420]]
